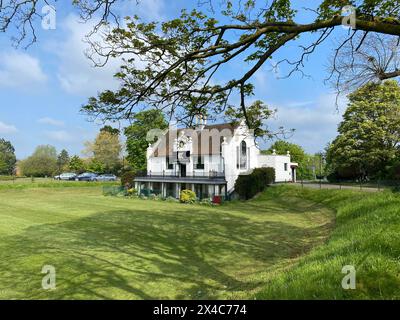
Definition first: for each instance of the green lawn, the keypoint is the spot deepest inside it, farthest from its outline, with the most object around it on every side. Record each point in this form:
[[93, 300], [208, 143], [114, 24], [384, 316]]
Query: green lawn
[[24, 183], [117, 248]]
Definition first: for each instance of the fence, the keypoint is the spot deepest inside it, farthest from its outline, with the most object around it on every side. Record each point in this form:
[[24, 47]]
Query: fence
[[194, 174], [377, 185], [114, 190]]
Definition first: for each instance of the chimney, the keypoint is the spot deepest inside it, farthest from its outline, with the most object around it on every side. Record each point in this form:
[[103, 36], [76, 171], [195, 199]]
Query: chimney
[[201, 121]]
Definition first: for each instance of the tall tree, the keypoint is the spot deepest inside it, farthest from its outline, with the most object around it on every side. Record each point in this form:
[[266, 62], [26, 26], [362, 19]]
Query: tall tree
[[110, 129], [106, 149], [43, 162], [136, 133], [369, 135], [252, 18], [76, 164], [181, 60], [62, 160], [7, 157]]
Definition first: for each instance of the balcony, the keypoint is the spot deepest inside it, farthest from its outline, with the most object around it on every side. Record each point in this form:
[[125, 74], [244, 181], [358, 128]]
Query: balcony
[[204, 177]]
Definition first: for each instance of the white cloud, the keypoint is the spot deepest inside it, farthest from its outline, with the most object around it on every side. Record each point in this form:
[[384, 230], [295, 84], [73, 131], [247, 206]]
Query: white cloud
[[76, 72], [7, 128], [59, 135], [51, 122], [296, 104], [315, 122], [20, 70]]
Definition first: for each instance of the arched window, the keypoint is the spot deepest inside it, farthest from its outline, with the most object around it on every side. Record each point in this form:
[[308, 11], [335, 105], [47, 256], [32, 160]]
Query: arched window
[[243, 155]]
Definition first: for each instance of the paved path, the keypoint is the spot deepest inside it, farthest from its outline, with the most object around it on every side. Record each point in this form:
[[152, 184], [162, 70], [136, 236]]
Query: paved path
[[337, 186]]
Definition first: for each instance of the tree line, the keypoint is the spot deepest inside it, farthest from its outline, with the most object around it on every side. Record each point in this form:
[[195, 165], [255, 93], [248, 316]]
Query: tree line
[[367, 146], [105, 154]]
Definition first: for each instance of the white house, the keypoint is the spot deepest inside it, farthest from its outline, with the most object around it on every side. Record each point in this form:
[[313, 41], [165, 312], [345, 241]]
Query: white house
[[207, 159]]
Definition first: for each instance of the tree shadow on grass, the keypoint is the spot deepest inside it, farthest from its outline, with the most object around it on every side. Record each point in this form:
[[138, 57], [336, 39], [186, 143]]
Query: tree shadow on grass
[[138, 254]]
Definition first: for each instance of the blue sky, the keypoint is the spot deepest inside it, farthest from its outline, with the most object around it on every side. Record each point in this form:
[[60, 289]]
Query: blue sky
[[42, 88]]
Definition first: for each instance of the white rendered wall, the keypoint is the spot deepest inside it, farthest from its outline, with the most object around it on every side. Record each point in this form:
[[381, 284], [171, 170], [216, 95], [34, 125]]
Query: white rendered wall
[[229, 155]]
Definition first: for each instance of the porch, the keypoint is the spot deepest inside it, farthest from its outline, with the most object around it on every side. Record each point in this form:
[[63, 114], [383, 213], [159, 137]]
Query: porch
[[172, 186]]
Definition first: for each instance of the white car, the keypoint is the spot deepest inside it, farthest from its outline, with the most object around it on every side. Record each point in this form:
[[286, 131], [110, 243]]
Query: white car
[[66, 176], [106, 177]]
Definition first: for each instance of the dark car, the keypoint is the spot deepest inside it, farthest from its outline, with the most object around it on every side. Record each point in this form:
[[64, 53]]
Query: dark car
[[106, 177], [87, 176]]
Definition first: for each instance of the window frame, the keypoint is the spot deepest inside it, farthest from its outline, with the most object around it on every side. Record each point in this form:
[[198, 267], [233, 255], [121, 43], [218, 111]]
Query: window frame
[[170, 166], [200, 162]]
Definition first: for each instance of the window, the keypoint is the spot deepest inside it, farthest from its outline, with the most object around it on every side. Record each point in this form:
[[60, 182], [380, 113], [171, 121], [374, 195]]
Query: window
[[237, 157], [285, 166], [169, 165], [200, 163], [243, 155]]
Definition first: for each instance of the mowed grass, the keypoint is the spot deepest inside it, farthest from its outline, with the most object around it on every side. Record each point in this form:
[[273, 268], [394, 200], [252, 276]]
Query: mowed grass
[[366, 236], [117, 248], [27, 183]]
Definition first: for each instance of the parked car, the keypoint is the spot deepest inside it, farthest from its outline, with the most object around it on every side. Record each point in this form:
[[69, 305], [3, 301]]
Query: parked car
[[66, 176], [87, 176], [106, 177]]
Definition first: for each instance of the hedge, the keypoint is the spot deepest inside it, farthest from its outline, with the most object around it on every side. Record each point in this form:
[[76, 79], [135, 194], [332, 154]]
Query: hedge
[[248, 185], [127, 179]]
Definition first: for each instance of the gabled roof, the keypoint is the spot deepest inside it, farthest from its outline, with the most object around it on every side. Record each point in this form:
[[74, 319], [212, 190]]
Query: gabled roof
[[204, 137]]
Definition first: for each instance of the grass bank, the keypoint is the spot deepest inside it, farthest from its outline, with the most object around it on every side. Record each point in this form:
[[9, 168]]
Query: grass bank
[[366, 236]]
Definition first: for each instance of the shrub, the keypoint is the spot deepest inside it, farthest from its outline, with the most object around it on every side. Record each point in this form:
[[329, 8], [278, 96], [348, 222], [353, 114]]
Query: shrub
[[113, 190], [265, 177], [171, 199], [131, 192], [333, 177], [187, 196], [349, 173], [206, 201], [247, 186], [127, 178], [394, 171], [154, 197], [343, 174], [143, 197]]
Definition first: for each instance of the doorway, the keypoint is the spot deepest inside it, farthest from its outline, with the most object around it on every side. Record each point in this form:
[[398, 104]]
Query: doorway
[[182, 168]]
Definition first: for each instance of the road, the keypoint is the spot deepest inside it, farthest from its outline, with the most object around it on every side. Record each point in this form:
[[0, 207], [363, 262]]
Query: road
[[337, 186]]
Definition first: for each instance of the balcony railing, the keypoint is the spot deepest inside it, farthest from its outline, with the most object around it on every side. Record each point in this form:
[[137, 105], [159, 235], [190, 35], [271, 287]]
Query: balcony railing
[[197, 175]]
